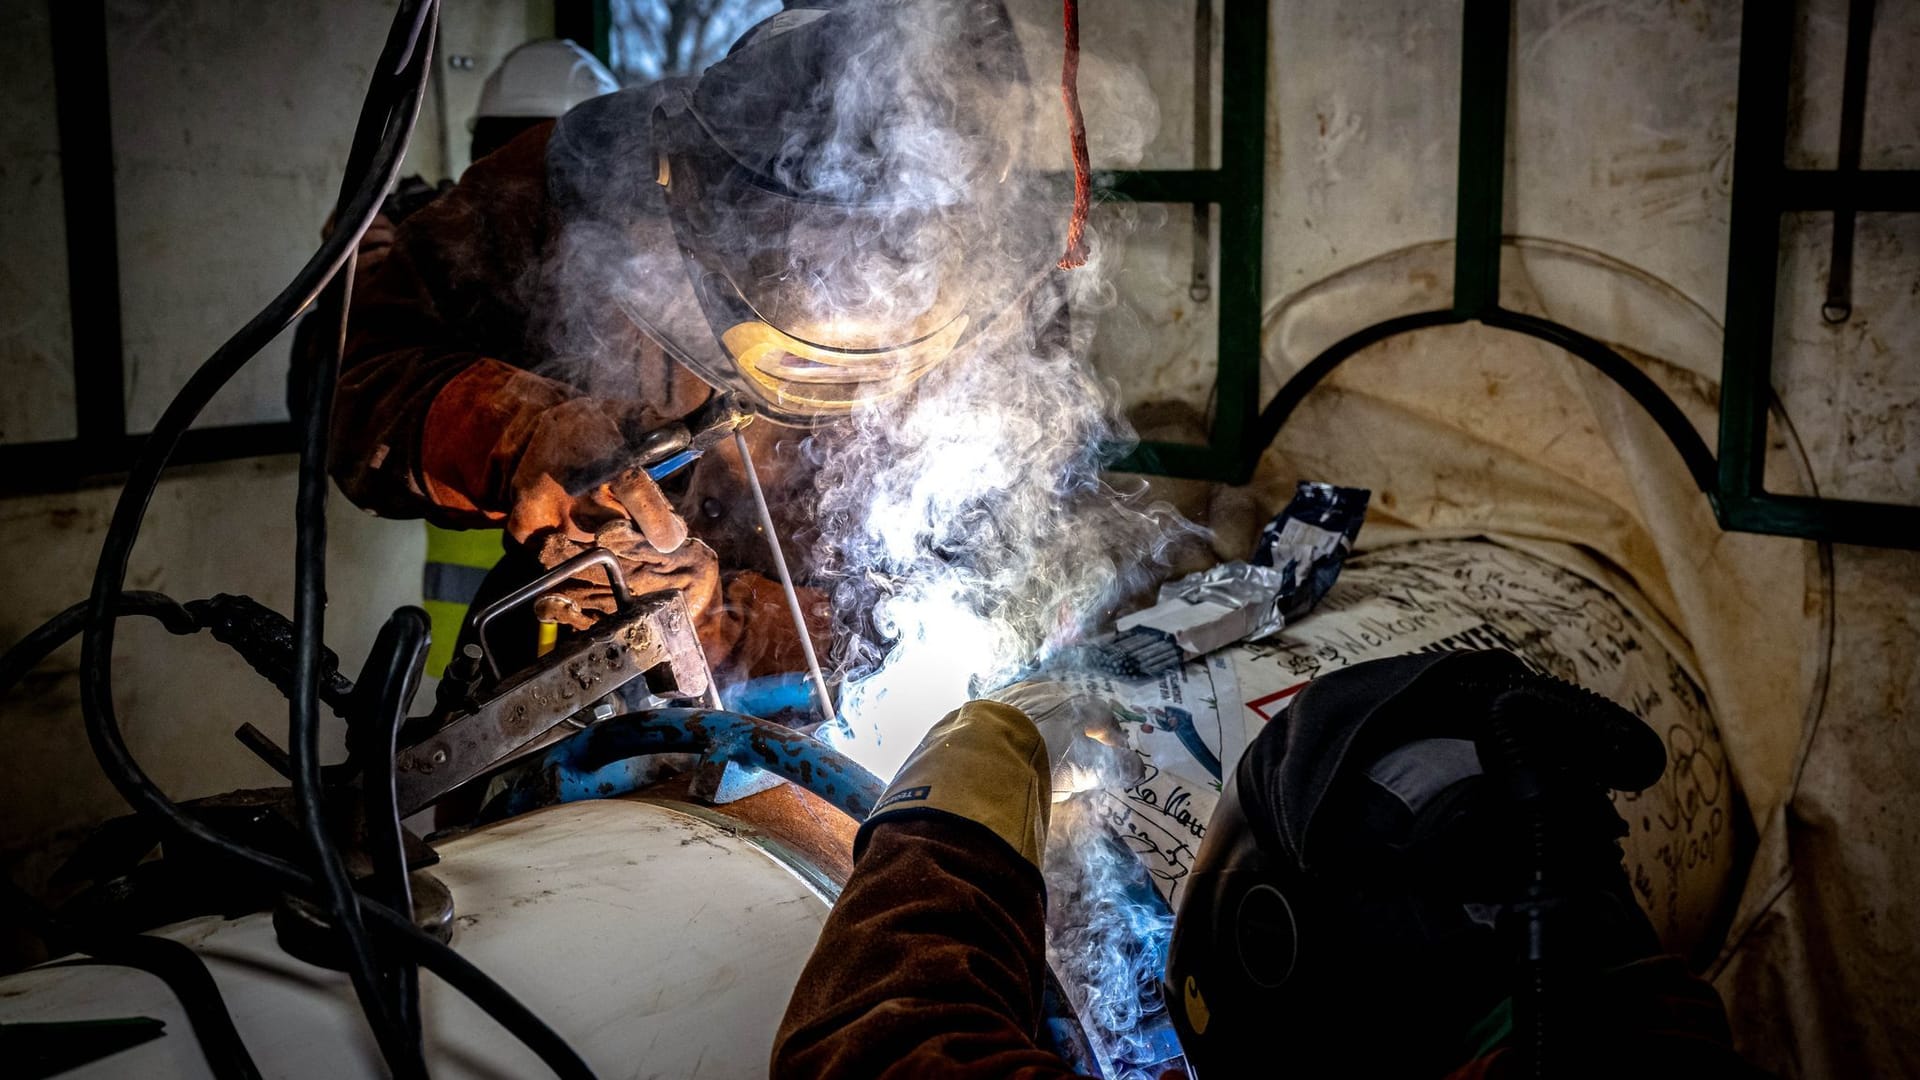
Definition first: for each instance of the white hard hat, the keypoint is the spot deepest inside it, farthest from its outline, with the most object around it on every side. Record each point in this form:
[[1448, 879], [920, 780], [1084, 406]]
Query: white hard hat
[[543, 79]]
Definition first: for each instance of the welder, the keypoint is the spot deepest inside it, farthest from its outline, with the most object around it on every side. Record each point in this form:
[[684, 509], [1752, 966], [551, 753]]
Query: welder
[[1414, 872], [538, 81], [813, 222]]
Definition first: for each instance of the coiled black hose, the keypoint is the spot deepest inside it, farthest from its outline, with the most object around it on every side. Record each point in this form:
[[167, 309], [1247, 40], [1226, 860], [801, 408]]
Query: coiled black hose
[[225, 1051], [40, 642], [387, 686], [1531, 1015], [1610, 748], [386, 125], [173, 963], [402, 1053]]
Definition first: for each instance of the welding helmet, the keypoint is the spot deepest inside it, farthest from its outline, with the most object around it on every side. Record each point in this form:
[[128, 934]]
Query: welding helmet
[[846, 193], [1347, 901]]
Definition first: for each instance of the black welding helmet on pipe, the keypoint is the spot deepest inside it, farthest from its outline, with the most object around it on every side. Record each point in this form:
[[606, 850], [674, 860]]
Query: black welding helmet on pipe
[[847, 193], [1349, 910]]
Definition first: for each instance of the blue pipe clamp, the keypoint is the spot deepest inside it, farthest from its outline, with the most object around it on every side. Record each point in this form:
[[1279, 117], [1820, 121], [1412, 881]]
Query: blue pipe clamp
[[603, 760]]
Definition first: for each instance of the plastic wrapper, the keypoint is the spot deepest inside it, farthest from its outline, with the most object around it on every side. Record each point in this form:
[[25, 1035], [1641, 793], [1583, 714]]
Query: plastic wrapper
[[1298, 559], [1309, 540]]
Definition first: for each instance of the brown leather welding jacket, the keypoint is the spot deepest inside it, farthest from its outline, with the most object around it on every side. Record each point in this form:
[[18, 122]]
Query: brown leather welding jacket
[[450, 333], [447, 328], [930, 966]]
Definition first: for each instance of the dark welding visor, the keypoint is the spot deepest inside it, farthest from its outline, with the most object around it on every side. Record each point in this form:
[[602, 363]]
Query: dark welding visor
[[820, 303], [846, 190]]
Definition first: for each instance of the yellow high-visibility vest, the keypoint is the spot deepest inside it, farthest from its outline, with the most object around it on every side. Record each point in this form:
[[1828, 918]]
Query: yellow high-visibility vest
[[457, 562]]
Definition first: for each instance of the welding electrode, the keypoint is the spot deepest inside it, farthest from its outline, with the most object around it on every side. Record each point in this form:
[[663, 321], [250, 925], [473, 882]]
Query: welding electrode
[[1140, 652], [786, 580]]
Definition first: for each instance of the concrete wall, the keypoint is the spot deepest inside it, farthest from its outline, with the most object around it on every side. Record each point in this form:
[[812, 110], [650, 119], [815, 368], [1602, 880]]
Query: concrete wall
[[231, 122], [35, 344]]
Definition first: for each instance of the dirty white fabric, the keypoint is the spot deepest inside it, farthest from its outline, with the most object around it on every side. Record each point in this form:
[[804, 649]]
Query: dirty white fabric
[[1465, 431], [1682, 848], [1189, 726], [1470, 430]]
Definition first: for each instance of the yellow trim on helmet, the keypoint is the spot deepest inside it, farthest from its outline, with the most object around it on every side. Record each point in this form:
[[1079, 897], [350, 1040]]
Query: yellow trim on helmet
[[1198, 1016], [768, 356]]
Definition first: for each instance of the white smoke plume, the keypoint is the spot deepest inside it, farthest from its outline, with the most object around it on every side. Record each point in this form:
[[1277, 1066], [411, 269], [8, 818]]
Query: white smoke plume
[[964, 528], [1107, 937], [967, 535]]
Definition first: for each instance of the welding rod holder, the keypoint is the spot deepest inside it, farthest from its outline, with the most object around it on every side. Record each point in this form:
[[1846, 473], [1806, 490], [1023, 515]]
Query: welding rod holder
[[542, 585], [665, 450]]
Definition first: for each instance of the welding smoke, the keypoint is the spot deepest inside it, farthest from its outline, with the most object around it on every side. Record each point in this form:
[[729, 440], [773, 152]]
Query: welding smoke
[[864, 176], [967, 534], [964, 528], [1108, 932], [876, 171]]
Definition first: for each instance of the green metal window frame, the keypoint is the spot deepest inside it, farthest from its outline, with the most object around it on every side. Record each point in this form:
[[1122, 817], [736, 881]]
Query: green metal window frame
[[1764, 190], [588, 23], [102, 449], [1242, 431], [1478, 228], [1237, 189]]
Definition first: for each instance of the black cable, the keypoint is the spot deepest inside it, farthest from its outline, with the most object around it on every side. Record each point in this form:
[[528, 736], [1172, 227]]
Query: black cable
[[382, 1008], [388, 682], [459, 972], [110, 574], [1533, 1019], [173, 963], [303, 707], [57, 631], [177, 965], [419, 947], [407, 83], [1595, 742], [371, 182]]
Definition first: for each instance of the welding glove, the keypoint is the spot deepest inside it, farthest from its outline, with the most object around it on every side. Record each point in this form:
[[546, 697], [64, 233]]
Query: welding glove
[[508, 447], [564, 441], [1085, 745], [505, 447], [744, 625], [985, 762], [691, 568], [992, 762], [628, 516]]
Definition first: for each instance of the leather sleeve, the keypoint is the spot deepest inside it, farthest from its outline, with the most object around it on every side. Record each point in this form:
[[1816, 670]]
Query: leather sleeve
[[929, 965], [452, 294]]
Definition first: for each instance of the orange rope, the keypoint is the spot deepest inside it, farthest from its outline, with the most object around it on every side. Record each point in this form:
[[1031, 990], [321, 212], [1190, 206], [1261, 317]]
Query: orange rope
[[1076, 254]]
